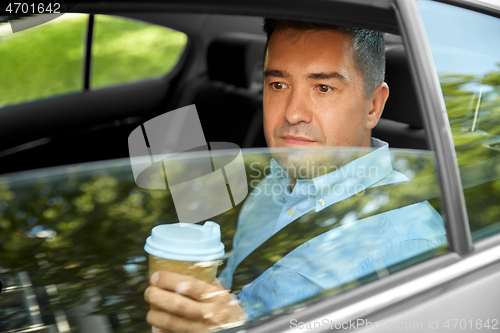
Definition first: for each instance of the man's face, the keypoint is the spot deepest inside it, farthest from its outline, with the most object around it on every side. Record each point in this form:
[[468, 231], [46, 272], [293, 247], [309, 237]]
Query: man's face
[[313, 94]]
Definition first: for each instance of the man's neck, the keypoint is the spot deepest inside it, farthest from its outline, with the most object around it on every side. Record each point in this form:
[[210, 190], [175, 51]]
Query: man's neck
[[366, 144]]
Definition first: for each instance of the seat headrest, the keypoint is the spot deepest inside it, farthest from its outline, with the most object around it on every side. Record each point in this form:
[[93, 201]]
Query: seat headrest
[[236, 58], [402, 105]]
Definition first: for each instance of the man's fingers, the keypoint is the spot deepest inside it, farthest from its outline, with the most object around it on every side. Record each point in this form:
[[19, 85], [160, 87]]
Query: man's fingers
[[175, 304], [185, 304], [185, 285], [168, 322]]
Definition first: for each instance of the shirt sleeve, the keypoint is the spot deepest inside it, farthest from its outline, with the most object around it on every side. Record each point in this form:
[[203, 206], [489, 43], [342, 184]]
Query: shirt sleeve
[[276, 288], [397, 253], [419, 236]]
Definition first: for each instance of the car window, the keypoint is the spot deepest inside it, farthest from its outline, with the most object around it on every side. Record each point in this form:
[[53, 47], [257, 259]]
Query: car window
[[74, 236], [466, 52], [43, 61], [126, 50], [47, 60]]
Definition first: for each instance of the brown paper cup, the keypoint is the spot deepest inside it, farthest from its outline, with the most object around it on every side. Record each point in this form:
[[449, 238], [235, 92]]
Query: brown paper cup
[[192, 250], [202, 270]]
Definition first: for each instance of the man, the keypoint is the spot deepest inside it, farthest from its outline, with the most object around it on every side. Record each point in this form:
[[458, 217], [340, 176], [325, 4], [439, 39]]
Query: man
[[323, 86]]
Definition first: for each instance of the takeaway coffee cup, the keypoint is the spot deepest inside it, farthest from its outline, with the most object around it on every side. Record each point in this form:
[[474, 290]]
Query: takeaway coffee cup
[[186, 248]]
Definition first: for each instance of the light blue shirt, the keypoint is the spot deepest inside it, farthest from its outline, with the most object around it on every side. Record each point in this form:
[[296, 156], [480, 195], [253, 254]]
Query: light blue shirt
[[355, 249]]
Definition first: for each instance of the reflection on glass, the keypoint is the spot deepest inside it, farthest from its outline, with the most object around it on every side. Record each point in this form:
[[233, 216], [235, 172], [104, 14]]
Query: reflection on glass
[[357, 217], [77, 234], [126, 50], [466, 51], [42, 61]]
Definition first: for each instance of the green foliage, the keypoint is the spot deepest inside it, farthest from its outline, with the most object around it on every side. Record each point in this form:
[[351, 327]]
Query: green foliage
[[95, 224], [473, 105], [47, 60], [99, 222], [42, 61], [492, 79], [126, 50]]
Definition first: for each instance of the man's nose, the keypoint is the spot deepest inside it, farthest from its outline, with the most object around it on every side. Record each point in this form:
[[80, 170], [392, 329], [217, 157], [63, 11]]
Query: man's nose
[[298, 107]]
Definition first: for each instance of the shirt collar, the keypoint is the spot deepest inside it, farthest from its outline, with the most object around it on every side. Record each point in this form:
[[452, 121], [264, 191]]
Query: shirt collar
[[348, 180]]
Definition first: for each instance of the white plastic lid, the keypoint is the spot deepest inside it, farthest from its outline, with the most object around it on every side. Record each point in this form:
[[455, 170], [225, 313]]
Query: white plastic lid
[[186, 242]]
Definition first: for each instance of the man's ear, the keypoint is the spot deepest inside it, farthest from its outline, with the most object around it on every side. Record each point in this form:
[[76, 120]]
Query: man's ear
[[377, 102]]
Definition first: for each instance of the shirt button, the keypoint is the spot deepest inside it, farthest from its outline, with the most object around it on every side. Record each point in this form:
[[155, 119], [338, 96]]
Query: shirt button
[[322, 202], [291, 212], [244, 304]]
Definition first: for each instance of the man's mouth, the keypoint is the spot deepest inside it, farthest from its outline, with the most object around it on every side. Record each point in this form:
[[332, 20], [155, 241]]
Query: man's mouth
[[296, 140]]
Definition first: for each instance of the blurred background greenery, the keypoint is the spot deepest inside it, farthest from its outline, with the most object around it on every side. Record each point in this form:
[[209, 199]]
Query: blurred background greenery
[[473, 105], [83, 230], [47, 60]]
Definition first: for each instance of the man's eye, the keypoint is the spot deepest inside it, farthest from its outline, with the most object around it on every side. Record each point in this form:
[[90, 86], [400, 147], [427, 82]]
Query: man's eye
[[324, 88], [278, 85]]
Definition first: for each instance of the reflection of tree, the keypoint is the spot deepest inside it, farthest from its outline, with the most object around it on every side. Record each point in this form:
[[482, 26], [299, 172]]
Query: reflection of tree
[[492, 79], [99, 227], [473, 105], [86, 232]]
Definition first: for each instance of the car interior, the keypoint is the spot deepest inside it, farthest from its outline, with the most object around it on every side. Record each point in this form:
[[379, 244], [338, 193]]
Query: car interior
[[220, 72]]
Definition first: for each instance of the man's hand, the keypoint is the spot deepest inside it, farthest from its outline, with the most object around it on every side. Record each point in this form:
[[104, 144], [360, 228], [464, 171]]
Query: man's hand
[[181, 303]]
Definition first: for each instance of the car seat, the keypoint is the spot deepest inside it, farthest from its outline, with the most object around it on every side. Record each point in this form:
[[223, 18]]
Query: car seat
[[229, 94], [401, 123]]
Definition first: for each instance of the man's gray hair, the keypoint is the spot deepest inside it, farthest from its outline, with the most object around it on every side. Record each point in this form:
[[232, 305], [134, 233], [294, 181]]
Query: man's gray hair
[[369, 50]]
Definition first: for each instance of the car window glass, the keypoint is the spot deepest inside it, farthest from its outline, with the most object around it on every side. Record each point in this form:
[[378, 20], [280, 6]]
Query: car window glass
[[76, 234], [43, 61], [126, 50], [466, 52]]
